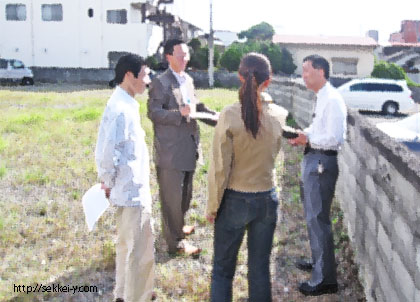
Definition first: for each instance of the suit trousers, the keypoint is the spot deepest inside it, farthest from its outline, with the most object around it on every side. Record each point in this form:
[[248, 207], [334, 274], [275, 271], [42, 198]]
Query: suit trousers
[[175, 189], [135, 255], [319, 176]]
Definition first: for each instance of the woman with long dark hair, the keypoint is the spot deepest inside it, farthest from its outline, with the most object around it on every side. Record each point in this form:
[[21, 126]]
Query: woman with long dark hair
[[242, 192]]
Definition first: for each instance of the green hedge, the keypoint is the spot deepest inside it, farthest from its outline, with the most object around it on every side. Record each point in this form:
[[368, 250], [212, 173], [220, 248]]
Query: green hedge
[[385, 70], [281, 60]]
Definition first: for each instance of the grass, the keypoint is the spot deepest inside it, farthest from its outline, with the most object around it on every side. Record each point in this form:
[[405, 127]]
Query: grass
[[47, 141]]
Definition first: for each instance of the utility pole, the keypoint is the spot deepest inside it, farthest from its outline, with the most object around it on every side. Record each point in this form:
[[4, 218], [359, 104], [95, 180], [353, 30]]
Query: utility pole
[[211, 48]]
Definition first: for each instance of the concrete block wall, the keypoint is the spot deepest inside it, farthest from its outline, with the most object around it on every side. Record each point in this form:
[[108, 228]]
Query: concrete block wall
[[72, 75], [103, 76], [379, 193], [292, 95]]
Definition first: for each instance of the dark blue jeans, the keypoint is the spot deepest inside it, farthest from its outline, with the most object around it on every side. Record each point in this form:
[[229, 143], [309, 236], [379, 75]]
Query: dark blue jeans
[[257, 213]]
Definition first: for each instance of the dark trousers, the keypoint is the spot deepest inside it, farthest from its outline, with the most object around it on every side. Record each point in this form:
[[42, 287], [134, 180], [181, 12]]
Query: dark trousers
[[257, 213], [319, 176], [175, 190]]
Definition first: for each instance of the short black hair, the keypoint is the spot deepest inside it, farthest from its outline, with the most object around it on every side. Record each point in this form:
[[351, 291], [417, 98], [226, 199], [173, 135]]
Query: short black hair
[[168, 49], [319, 62], [130, 62]]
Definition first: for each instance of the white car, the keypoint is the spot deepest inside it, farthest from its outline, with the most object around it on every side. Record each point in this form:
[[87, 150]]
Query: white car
[[388, 96], [404, 130], [15, 70]]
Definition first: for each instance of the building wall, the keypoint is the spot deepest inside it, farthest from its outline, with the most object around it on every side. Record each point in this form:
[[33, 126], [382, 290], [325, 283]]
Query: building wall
[[379, 192], [396, 37], [77, 40], [364, 55], [411, 31]]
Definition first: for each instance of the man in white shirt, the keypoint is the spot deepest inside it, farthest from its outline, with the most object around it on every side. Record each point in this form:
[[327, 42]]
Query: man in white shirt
[[122, 161], [319, 174]]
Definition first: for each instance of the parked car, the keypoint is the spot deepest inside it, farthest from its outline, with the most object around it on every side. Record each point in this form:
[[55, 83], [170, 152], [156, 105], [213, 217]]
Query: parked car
[[388, 96], [406, 130], [15, 71]]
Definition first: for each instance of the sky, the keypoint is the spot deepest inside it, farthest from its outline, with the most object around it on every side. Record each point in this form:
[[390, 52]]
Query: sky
[[303, 17]]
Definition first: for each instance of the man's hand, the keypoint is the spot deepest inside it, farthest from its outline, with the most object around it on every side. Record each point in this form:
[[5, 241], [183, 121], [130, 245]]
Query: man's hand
[[107, 190], [210, 218], [185, 110], [300, 140]]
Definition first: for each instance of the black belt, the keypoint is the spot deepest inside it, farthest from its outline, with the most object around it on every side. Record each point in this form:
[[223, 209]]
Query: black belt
[[309, 149]]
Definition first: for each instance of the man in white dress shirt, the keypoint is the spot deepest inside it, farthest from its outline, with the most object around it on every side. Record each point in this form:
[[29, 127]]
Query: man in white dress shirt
[[122, 162], [319, 174]]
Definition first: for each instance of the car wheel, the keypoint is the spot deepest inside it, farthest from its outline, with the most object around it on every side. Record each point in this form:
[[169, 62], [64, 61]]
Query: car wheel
[[27, 81], [390, 108]]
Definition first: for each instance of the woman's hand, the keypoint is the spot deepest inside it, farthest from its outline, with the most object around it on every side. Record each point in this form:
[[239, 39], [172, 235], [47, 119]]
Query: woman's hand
[[210, 218], [300, 140]]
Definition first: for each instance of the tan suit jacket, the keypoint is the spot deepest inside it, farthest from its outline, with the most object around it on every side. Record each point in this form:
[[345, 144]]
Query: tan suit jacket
[[176, 139], [239, 161]]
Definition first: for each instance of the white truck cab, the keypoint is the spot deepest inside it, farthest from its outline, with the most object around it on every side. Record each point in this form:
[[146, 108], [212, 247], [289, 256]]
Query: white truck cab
[[15, 71]]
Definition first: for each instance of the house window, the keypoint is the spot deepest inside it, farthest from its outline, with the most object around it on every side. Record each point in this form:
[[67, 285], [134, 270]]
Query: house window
[[15, 12], [52, 12], [116, 16], [344, 66], [3, 64], [90, 12]]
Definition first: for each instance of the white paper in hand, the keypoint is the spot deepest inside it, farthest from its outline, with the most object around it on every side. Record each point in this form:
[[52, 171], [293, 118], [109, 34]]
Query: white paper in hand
[[94, 205]]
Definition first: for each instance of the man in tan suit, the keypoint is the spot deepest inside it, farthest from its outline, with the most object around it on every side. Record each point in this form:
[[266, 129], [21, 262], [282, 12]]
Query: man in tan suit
[[171, 105]]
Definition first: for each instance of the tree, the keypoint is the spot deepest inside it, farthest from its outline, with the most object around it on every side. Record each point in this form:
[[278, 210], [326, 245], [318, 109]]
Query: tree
[[195, 44], [273, 53], [232, 57], [287, 66], [200, 58], [259, 32], [152, 62]]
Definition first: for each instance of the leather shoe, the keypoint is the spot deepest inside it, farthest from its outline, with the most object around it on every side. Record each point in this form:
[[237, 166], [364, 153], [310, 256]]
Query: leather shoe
[[317, 290], [304, 265], [119, 300], [186, 249], [188, 229]]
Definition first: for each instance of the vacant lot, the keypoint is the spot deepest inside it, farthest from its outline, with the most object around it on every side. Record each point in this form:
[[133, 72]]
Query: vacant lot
[[47, 140]]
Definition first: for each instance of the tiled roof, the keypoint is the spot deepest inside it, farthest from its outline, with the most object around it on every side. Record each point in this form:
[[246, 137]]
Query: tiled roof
[[405, 44], [324, 40]]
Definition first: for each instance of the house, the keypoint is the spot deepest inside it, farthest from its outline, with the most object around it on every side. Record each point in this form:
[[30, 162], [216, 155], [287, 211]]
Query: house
[[84, 34], [74, 33], [349, 57], [227, 37]]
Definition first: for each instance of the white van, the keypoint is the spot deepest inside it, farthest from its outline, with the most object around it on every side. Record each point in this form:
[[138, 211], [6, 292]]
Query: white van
[[388, 96], [15, 70]]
